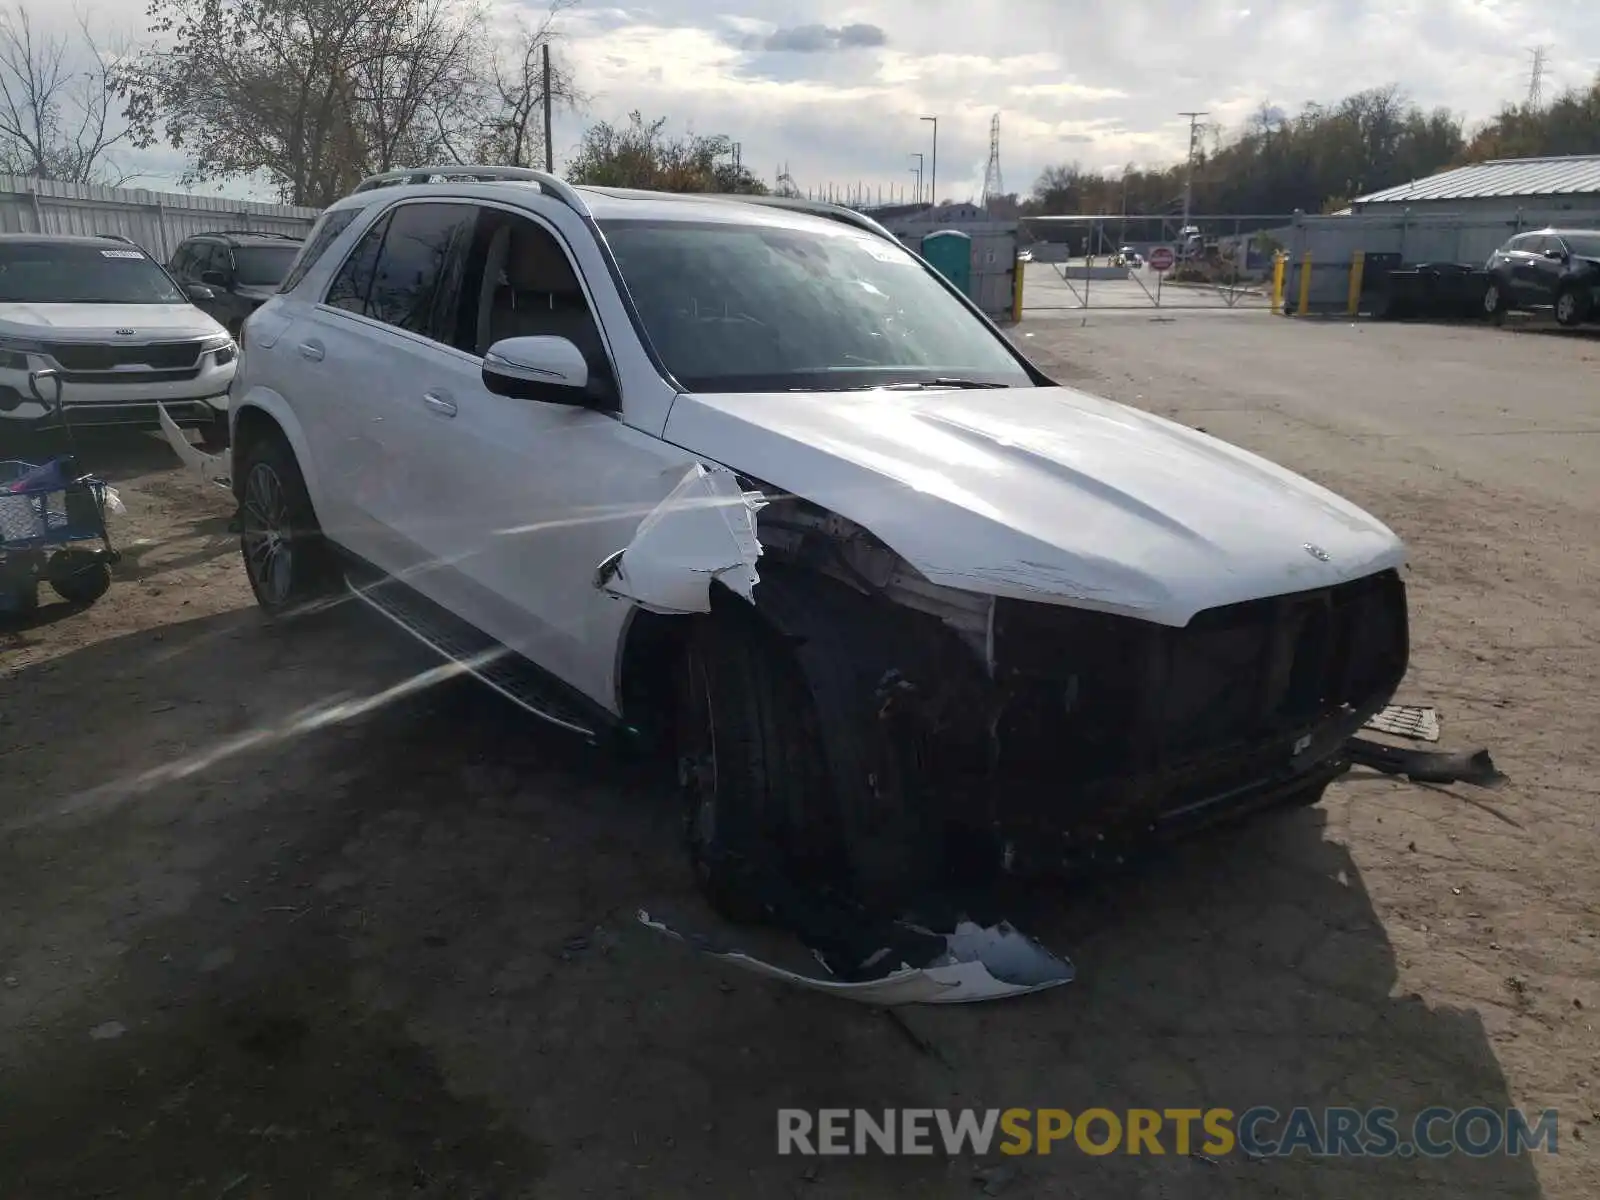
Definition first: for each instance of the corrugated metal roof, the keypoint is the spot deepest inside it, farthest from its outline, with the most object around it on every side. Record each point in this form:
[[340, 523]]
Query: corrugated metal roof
[[1573, 174]]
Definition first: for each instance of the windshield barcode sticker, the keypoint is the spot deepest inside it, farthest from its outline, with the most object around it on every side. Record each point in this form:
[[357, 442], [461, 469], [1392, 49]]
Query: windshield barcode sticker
[[121, 254]]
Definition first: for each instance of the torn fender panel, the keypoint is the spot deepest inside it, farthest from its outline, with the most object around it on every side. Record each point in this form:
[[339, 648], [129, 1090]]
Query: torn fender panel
[[703, 530], [979, 963], [209, 468]]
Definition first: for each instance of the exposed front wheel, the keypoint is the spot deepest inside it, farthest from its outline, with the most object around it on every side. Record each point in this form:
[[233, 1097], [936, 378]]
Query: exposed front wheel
[[758, 807], [285, 557]]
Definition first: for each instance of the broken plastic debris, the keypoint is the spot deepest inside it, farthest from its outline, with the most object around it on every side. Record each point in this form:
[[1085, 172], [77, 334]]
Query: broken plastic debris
[[1425, 766], [979, 963], [210, 468], [704, 530], [1408, 721]]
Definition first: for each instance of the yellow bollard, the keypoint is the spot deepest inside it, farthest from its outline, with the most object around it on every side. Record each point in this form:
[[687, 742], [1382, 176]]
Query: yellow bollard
[[1304, 306], [1279, 261], [1018, 270], [1358, 263]]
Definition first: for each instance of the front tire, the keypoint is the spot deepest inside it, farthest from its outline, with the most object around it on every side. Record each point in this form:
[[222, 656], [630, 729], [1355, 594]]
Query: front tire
[[758, 803], [285, 556]]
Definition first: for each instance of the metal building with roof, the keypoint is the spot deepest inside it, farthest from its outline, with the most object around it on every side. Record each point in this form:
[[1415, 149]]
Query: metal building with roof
[[1505, 186]]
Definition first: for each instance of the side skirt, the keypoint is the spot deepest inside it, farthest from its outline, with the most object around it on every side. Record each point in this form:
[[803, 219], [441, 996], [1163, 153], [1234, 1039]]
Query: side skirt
[[479, 655]]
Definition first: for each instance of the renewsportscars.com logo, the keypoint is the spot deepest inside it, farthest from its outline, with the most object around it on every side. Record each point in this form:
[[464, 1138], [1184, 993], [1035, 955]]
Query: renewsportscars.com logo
[[1260, 1132]]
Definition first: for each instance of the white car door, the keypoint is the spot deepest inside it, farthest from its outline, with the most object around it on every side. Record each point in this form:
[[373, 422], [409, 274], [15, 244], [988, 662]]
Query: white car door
[[383, 381], [523, 499]]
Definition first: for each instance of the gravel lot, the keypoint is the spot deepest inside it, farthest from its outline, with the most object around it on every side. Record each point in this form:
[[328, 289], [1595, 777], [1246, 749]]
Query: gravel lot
[[250, 951]]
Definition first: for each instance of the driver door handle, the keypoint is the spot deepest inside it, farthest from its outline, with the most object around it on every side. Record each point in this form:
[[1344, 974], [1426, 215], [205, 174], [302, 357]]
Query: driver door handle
[[440, 403], [311, 350]]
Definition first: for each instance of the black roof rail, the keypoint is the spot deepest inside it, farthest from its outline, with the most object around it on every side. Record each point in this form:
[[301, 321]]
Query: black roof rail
[[255, 233], [117, 237]]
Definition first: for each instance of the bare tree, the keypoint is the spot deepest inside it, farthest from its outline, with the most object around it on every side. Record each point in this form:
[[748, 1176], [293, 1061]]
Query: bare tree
[[513, 132], [58, 102], [312, 94]]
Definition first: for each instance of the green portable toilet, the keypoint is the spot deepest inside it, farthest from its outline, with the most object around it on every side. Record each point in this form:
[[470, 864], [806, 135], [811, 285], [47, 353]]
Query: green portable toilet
[[949, 251]]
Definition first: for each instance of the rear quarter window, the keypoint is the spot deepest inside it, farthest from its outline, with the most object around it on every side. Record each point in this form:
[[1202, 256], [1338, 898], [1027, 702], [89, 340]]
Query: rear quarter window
[[323, 234]]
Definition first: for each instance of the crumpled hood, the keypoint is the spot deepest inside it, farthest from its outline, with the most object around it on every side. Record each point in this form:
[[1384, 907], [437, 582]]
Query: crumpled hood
[[86, 322], [1046, 494]]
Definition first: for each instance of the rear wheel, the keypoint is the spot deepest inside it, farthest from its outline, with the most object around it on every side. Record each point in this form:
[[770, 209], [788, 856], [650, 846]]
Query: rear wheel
[[1494, 302], [1572, 306], [285, 557]]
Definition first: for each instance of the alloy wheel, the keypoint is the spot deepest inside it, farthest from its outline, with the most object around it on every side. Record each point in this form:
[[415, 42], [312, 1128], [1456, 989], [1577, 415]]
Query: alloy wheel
[[265, 534]]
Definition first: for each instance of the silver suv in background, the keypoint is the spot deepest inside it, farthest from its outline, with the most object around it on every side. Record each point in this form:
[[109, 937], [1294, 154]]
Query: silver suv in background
[[123, 335]]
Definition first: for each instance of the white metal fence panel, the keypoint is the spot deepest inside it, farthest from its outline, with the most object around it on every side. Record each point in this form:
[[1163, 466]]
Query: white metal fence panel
[[158, 221]]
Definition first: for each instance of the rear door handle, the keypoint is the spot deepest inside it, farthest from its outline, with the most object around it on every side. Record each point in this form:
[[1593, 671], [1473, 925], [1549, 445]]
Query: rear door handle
[[311, 350], [439, 403]]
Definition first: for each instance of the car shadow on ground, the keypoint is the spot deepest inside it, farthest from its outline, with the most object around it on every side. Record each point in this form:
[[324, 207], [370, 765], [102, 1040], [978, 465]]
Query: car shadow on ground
[[397, 954]]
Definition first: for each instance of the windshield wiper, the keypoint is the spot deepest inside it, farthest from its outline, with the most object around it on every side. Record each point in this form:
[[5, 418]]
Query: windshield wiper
[[946, 381]]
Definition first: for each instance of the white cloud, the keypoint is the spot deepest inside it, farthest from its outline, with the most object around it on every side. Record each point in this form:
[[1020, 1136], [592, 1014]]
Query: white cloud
[[805, 82]]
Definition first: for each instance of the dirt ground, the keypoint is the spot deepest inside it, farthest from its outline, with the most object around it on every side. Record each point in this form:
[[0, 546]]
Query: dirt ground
[[256, 945]]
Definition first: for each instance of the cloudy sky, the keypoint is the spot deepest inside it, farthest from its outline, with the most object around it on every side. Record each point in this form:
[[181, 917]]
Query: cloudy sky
[[835, 90]]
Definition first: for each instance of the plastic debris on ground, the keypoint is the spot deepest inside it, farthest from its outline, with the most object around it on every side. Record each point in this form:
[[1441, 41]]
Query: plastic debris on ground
[[915, 965], [1415, 721]]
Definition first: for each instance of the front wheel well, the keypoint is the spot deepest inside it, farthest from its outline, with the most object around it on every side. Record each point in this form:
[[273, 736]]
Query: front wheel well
[[651, 647]]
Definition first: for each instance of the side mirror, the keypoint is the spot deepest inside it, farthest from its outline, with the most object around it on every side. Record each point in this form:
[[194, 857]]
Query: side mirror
[[537, 368], [1558, 255], [214, 278], [199, 291]]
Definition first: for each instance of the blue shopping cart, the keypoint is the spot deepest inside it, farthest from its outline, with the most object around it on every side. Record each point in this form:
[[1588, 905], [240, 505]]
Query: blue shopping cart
[[48, 515]]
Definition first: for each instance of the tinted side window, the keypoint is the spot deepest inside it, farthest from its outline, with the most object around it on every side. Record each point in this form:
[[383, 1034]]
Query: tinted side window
[[180, 260], [416, 251], [323, 234], [354, 280]]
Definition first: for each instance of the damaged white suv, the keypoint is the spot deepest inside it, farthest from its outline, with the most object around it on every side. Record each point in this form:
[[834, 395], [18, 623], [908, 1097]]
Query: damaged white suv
[[744, 474]]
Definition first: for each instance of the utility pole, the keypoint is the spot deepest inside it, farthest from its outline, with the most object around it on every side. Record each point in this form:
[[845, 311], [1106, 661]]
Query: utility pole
[[933, 173], [1188, 177], [549, 141], [917, 171]]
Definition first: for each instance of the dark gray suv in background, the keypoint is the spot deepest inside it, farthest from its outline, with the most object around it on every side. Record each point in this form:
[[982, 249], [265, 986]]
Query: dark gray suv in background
[[1547, 268], [231, 273]]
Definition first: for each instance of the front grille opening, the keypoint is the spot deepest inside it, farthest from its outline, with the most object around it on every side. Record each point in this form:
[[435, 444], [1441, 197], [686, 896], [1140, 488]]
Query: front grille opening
[[157, 355], [1092, 696]]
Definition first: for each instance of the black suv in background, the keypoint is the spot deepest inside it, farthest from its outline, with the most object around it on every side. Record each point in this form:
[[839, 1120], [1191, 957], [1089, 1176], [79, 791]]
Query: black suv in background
[[229, 274], [1549, 268]]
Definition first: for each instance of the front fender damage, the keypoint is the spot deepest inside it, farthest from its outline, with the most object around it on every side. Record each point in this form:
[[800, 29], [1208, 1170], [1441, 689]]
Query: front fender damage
[[703, 532]]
